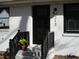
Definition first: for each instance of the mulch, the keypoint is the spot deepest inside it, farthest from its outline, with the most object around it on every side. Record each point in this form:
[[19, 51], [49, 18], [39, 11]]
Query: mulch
[[3, 55], [66, 57]]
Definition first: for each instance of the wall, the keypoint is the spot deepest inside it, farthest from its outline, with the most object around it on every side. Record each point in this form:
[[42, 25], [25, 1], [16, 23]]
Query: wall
[[65, 44], [20, 19]]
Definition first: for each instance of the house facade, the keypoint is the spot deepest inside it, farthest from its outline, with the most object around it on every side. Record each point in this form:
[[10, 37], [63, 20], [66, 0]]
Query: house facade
[[39, 17]]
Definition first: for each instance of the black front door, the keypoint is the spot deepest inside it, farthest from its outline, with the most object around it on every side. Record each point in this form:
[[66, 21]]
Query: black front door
[[41, 23]]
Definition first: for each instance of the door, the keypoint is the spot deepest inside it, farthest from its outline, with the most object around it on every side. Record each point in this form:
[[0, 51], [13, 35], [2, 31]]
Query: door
[[41, 23]]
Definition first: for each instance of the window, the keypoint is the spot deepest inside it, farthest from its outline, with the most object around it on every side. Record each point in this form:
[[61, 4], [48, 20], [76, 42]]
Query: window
[[4, 18], [71, 18]]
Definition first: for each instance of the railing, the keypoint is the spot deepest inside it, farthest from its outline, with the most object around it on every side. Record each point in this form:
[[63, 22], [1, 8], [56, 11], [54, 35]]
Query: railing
[[48, 44], [13, 44]]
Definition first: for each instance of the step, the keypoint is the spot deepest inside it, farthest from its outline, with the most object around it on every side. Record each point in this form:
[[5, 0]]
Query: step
[[27, 53], [24, 55], [37, 57]]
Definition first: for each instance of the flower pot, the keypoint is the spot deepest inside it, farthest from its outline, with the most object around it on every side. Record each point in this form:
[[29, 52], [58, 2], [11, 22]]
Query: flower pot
[[24, 47]]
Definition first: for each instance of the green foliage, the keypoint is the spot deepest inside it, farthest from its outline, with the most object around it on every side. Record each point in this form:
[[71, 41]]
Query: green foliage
[[22, 40]]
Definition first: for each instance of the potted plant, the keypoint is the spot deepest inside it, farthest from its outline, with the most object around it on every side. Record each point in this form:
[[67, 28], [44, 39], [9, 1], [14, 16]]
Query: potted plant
[[23, 43]]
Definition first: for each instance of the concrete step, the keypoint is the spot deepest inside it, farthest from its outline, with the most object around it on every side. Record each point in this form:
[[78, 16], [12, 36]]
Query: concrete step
[[24, 55], [27, 53]]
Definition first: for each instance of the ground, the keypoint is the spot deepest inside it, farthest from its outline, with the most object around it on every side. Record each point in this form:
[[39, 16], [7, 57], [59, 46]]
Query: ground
[[3, 55], [65, 57]]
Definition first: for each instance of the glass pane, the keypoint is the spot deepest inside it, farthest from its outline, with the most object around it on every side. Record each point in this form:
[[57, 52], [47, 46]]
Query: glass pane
[[4, 18], [71, 18]]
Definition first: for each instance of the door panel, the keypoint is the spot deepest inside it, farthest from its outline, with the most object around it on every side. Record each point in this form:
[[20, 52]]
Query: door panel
[[41, 23]]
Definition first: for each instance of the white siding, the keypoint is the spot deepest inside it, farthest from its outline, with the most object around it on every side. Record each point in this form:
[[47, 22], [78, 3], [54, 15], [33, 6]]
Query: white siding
[[20, 19], [65, 44]]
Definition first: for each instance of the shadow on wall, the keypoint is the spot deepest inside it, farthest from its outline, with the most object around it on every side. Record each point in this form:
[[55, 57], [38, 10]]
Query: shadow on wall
[[23, 23], [22, 12]]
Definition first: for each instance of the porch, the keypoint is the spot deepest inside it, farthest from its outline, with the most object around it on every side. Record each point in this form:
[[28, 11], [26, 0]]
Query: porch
[[37, 52]]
